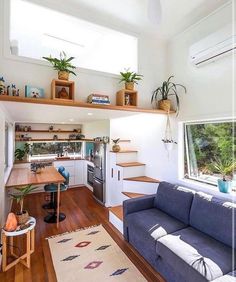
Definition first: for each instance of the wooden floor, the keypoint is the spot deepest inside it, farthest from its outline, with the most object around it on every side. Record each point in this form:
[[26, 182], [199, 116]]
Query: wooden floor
[[81, 211]]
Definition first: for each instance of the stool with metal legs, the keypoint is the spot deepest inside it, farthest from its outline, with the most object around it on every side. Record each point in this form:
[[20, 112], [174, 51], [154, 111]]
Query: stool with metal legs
[[50, 205], [52, 217]]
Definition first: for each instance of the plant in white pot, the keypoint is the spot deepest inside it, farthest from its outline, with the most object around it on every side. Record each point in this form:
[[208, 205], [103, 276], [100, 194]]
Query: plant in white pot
[[226, 169], [130, 78], [62, 65], [22, 215], [167, 89]]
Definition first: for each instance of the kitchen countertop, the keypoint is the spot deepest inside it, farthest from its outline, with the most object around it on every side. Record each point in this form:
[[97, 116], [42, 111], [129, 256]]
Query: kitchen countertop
[[53, 160]]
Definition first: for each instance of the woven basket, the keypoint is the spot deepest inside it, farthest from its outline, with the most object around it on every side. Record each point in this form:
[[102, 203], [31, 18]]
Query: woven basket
[[63, 75], [22, 218], [164, 105], [116, 148]]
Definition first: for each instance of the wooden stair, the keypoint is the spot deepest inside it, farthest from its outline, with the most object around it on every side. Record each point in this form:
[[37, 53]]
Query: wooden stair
[[117, 211], [130, 164], [125, 152], [133, 195], [143, 179]]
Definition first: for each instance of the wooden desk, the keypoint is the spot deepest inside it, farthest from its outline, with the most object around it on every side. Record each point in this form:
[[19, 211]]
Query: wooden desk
[[23, 176]]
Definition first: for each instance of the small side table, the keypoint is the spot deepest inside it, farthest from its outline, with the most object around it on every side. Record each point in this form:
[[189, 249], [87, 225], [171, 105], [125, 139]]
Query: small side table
[[30, 243]]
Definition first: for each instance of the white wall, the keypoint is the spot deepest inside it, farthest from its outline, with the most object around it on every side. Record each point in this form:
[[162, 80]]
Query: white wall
[[146, 132], [151, 54], [210, 86], [4, 200], [96, 129]]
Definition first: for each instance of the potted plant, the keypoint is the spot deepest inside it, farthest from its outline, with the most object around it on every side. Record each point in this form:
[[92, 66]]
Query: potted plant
[[62, 65], [167, 89], [20, 153], [116, 147], [22, 215], [225, 168], [130, 78]]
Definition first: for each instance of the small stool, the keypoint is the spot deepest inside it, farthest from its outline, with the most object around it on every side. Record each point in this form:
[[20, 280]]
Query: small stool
[[30, 243]]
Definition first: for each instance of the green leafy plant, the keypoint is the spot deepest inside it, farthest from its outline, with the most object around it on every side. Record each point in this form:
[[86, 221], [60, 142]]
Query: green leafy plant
[[129, 76], [62, 64], [167, 89], [20, 153], [19, 197], [224, 167]]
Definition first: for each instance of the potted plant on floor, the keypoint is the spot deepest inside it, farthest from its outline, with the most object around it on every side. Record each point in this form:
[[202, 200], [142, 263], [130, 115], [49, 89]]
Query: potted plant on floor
[[22, 215], [130, 78], [226, 169], [62, 65], [167, 89]]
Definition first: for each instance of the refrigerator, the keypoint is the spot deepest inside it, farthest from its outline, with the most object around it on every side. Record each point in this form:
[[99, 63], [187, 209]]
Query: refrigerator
[[99, 176]]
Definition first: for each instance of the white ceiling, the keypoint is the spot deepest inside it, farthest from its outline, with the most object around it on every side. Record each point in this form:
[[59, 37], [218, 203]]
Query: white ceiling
[[35, 113], [177, 15]]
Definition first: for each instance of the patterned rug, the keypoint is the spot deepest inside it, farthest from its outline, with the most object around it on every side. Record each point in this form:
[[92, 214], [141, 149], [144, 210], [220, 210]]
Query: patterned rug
[[91, 255]]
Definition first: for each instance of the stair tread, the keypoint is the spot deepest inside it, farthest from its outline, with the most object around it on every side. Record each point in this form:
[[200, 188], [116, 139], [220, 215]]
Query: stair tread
[[130, 164], [117, 211], [124, 151], [143, 179], [133, 195]]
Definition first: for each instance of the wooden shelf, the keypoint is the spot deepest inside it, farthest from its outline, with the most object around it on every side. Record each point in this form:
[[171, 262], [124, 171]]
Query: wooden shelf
[[124, 152], [78, 104], [52, 140], [130, 164], [46, 131]]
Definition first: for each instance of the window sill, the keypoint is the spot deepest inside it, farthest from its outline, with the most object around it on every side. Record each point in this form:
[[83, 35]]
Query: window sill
[[207, 188]]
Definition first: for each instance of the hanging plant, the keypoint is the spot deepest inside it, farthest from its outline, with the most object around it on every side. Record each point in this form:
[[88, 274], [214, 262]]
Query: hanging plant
[[168, 139]]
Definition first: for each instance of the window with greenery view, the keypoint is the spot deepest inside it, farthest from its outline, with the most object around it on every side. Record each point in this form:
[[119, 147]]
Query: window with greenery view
[[206, 146]]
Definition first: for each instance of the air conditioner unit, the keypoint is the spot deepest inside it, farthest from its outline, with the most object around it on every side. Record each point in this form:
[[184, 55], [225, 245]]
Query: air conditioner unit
[[213, 47]]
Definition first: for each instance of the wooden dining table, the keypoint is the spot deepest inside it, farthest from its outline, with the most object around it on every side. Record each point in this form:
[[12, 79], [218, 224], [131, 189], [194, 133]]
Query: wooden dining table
[[20, 177]]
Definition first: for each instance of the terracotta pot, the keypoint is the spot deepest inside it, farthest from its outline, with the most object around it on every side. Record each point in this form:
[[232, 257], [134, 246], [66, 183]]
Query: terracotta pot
[[116, 148], [63, 75], [22, 218], [164, 105], [129, 85]]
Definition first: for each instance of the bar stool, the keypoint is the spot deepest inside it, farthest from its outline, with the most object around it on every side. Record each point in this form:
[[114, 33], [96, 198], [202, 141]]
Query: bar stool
[[52, 217], [50, 205]]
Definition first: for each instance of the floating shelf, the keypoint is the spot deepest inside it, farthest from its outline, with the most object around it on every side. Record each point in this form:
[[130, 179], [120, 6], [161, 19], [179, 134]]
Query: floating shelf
[[79, 104], [52, 140], [46, 131]]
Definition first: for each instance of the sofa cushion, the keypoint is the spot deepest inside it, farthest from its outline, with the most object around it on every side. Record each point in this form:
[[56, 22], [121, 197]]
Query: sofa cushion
[[214, 217], [194, 253], [175, 201], [146, 226], [229, 277]]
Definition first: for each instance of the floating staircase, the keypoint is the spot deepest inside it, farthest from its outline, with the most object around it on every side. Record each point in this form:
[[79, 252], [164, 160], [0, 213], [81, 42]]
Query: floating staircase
[[135, 183]]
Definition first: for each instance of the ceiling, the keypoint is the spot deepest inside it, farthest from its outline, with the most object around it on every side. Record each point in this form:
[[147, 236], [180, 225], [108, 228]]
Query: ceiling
[[177, 15], [35, 113]]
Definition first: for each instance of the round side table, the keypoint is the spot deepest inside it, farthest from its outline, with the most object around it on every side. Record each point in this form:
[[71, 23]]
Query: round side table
[[30, 243]]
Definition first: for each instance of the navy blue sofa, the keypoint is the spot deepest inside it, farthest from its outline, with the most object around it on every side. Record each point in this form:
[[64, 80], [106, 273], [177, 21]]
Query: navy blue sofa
[[185, 236]]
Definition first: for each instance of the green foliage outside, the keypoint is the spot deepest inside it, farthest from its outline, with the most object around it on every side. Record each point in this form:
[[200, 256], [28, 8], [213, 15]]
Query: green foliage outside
[[213, 145]]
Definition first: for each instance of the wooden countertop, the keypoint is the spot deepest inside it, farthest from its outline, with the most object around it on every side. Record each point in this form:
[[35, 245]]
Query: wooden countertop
[[49, 160], [23, 176]]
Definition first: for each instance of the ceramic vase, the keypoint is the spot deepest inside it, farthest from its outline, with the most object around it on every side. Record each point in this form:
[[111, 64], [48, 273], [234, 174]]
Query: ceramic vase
[[224, 186]]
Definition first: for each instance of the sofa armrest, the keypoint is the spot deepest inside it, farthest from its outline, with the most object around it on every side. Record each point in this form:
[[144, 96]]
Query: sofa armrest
[[138, 204]]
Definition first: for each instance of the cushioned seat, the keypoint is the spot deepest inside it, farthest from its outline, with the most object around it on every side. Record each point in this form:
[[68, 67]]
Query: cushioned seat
[[53, 187], [146, 226], [229, 277], [197, 255]]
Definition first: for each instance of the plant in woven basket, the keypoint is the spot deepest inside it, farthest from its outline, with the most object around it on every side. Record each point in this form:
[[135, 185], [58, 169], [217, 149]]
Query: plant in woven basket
[[116, 147], [19, 197], [62, 65], [167, 89], [130, 78]]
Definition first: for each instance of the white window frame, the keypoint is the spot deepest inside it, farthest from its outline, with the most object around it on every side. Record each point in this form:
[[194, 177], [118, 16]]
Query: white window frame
[[6, 42], [194, 183]]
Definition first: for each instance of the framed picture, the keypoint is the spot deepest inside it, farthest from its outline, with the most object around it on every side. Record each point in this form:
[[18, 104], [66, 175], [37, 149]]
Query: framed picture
[[34, 92]]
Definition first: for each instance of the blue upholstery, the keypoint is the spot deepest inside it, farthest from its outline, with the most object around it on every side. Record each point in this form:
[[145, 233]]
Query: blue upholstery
[[198, 256], [184, 235], [61, 169], [53, 187], [175, 201], [214, 217], [151, 224], [66, 175]]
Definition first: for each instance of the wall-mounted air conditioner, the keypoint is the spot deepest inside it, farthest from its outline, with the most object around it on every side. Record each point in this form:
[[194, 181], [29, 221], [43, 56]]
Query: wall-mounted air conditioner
[[213, 47]]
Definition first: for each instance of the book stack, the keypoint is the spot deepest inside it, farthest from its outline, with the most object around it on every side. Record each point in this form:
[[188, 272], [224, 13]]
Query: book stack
[[99, 99]]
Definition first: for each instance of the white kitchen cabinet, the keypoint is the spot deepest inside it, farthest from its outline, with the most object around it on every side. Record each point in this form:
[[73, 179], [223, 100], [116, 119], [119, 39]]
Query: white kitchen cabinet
[[86, 163], [79, 172]]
